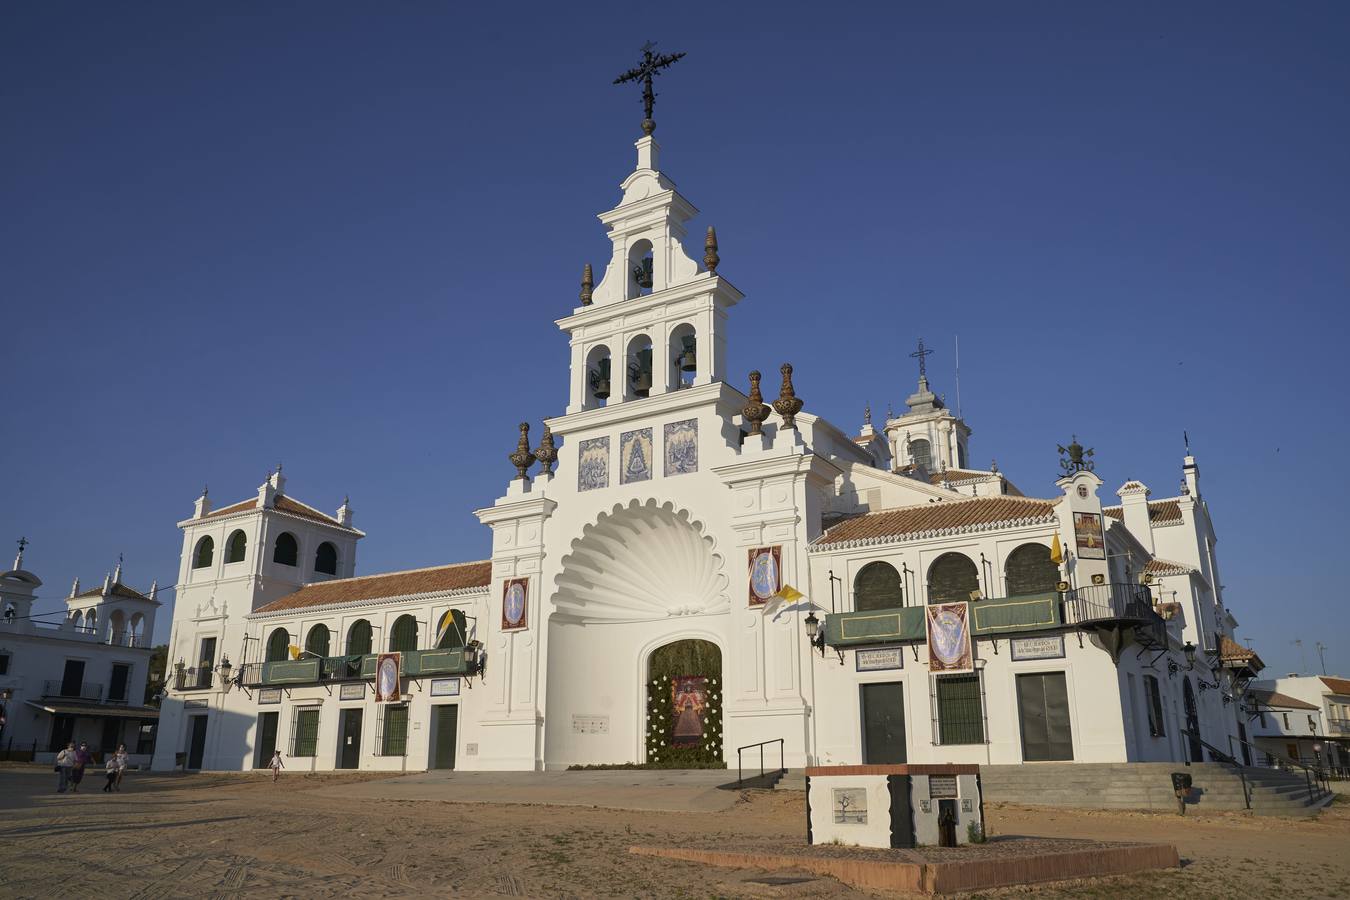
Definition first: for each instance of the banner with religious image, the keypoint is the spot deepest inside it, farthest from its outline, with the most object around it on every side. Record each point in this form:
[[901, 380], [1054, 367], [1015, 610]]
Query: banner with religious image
[[387, 678], [689, 699], [766, 575], [1087, 528], [515, 604], [949, 638]]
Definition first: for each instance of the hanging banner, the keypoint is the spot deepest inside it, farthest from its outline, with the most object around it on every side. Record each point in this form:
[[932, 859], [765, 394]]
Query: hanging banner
[[1087, 528], [949, 638], [765, 573], [387, 678], [515, 596]]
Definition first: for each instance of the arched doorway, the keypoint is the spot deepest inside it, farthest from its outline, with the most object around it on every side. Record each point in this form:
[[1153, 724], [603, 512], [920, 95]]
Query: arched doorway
[[684, 705]]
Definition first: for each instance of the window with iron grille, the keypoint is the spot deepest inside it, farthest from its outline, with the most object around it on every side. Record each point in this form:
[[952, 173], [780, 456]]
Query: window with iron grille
[[305, 732], [392, 739], [958, 709], [1155, 710]]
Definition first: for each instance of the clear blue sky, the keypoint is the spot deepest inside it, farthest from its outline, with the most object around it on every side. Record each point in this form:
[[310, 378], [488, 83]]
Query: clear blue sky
[[337, 235]]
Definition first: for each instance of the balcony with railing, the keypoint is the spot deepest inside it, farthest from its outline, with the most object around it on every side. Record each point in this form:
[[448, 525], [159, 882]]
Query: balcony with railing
[[1338, 726], [997, 615], [196, 678], [325, 669], [1098, 605], [83, 690]]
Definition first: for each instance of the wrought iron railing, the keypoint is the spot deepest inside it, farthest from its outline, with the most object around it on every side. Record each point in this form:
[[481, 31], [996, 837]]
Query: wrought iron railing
[[196, 678], [740, 778], [1338, 726], [1227, 759], [1316, 778], [82, 691], [1116, 602]]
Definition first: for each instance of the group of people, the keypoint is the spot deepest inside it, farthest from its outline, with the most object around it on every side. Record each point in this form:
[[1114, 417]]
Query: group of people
[[72, 762]]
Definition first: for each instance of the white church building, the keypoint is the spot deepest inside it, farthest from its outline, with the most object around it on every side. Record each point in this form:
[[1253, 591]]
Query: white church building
[[679, 570]]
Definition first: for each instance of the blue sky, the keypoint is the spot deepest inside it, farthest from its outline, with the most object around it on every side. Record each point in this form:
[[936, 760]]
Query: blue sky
[[337, 235]]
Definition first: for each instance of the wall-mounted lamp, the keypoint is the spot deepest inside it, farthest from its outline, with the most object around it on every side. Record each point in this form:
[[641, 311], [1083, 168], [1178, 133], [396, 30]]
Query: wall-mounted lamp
[[814, 633], [223, 670]]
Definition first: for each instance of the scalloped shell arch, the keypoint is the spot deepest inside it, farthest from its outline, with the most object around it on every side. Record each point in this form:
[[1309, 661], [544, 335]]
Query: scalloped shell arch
[[641, 562]]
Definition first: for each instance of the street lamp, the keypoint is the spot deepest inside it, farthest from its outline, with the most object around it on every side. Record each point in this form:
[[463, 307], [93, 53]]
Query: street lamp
[[814, 634], [224, 670]]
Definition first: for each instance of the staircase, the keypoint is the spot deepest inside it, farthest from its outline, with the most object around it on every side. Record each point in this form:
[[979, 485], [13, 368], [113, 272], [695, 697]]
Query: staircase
[[1218, 788]]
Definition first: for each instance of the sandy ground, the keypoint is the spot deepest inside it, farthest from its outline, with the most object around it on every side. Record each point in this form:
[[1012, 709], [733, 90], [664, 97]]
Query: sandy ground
[[239, 836]]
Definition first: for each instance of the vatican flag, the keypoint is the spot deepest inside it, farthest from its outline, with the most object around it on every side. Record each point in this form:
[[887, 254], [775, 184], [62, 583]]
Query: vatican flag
[[295, 651], [1056, 551], [786, 594]]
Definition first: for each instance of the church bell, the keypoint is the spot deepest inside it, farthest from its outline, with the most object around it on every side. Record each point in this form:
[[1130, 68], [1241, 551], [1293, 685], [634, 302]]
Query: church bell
[[688, 361], [641, 372], [600, 380]]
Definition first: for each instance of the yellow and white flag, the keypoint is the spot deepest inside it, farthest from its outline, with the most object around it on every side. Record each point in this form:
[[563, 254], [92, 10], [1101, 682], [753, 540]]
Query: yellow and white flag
[[295, 651], [1056, 551], [785, 594]]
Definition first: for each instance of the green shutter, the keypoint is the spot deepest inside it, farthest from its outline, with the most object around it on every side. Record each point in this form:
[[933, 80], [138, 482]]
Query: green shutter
[[395, 731], [960, 711], [306, 732]]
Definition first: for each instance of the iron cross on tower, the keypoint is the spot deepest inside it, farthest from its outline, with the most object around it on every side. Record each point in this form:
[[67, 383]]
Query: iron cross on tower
[[921, 353], [652, 64]]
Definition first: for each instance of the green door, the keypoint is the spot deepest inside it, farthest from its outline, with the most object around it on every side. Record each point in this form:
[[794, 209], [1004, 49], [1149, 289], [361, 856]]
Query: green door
[[1043, 706], [445, 722], [883, 721], [267, 740]]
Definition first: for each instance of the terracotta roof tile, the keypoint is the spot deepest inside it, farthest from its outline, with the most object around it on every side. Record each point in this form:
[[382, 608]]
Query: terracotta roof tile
[[390, 584], [118, 590], [1160, 567], [283, 504], [1230, 651], [938, 518], [1338, 685], [1160, 512], [1279, 701], [955, 475]]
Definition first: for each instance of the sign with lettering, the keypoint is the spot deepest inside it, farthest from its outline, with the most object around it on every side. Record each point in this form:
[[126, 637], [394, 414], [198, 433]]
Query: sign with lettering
[[1046, 647], [268, 696], [590, 724], [879, 660], [352, 691], [941, 787], [445, 687]]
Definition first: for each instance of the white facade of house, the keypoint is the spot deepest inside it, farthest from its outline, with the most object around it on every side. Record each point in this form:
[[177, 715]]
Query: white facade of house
[[1304, 717], [664, 491], [82, 679]]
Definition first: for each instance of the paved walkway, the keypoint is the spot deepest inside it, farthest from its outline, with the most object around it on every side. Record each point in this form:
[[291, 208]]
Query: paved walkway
[[706, 790]]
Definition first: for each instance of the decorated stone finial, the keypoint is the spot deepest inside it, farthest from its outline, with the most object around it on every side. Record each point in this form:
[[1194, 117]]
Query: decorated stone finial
[[788, 404], [587, 285], [75, 586], [993, 466], [755, 411], [522, 459], [710, 257], [117, 573], [154, 590], [547, 454], [18, 560], [867, 414]]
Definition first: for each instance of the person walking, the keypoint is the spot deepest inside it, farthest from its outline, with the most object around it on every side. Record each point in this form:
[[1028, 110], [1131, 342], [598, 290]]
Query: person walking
[[123, 760], [65, 762], [82, 758], [277, 765], [110, 773]]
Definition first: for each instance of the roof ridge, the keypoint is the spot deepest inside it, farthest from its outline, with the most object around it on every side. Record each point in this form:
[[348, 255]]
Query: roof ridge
[[315, 510], [472, 562]]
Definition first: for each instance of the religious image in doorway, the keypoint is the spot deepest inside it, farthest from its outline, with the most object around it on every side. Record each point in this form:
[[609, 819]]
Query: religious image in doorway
[[1087, 529], [684, 721], [515, 598], [949, 638], [765, 574], [387, 678], [689, 700]]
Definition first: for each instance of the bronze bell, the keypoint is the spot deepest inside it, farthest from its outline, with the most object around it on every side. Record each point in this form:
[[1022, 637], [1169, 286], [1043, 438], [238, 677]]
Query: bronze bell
[[643, 272], [640, 371], [600, 380], [688, 359]]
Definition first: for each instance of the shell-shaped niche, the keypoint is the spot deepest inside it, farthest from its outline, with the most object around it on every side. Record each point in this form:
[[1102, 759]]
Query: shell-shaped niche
[[641, 562]]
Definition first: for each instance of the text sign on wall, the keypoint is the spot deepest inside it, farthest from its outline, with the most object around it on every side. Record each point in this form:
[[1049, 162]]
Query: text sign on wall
[[268, 696], [445, 687], [590, 724], [352, 691], [1051, 647], [879, 660], [941, 786]]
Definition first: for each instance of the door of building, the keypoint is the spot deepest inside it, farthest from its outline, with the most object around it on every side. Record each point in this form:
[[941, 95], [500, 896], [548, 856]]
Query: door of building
[[349, 754], [117, 685], [63, 729], [1043, 707], [196, 741], [72, 680], [445, 722], [1192, 722], [267, 739], [883, 721], [112, 735]]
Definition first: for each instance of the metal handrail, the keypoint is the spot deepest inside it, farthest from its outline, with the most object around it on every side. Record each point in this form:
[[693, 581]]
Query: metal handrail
[[781, 768], [1311, 774], [1227, 759]]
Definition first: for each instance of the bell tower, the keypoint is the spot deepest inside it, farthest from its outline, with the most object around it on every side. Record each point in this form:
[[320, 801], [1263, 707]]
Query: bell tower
[[654, 323]]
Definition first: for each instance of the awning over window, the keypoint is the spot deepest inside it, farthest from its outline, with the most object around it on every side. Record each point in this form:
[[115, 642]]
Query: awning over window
[[94, 710]]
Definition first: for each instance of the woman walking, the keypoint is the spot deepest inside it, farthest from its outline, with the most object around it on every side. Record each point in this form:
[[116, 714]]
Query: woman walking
[[65, 761], [122, 762], [82, 758], [110, 772]]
